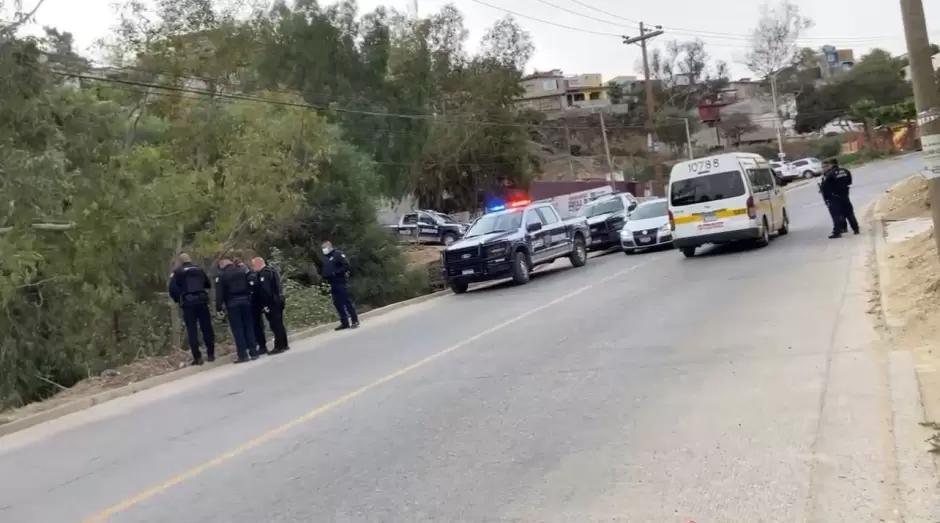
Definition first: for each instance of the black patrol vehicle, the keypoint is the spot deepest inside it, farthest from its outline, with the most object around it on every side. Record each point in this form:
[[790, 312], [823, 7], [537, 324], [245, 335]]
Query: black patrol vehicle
[[606, 216], [511, 241], [429, 227]]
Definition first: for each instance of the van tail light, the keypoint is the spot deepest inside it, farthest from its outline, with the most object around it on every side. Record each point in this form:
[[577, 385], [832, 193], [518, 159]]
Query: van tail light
[[672, 222], [751, 209]]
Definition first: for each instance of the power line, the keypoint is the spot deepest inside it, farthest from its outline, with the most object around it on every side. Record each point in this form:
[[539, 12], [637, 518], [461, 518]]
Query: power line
[[563, 26], [702, 35], [744, 36]]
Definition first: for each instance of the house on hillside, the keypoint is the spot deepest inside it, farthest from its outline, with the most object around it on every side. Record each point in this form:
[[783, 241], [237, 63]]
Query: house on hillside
[[553, 92]]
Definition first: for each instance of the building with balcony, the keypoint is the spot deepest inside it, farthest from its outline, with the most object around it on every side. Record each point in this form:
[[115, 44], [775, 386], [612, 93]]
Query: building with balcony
[[552, 91], [586, 90], [544, 91]]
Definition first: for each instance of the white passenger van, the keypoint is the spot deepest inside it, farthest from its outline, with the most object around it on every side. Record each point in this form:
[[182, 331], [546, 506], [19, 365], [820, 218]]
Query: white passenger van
[[725, 198]]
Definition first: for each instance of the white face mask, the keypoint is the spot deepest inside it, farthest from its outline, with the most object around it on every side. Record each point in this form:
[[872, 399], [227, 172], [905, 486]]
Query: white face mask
[[327, 250]]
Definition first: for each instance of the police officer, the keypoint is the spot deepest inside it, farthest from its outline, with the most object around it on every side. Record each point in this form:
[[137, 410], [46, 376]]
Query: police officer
[[335, 271], [233, 289], [835, 186], [836, 217], [270, 299], [257, 311], [189, 288]]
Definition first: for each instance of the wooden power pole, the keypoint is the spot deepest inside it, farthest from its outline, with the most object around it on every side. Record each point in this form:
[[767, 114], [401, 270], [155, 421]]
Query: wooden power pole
[[927, 100], [645, 35]]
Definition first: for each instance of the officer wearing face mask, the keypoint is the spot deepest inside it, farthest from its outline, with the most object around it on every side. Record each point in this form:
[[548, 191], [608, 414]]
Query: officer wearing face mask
[[336, 272]]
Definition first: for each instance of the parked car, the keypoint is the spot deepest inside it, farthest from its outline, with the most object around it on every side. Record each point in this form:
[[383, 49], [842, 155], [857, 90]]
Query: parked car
[[784, 172], [647, 226], [808, 167], [512, 241], [429, 227], [606, 216]]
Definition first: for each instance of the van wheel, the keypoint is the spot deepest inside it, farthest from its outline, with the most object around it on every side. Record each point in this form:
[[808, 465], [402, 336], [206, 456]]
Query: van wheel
[[688, 252], [520, 268], [764, 239], [459, 287], [785, 228], [578, 254]]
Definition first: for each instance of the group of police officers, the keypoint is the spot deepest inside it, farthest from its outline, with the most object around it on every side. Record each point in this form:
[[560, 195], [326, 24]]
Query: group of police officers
[[835, 192], [248, 296]]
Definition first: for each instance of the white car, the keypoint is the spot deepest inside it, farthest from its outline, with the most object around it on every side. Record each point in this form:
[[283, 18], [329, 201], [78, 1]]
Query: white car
[[808, 167], [647, 226], [785, 172]]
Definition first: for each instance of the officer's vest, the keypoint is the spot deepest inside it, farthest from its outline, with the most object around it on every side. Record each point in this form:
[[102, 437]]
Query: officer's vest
[[238, 283]]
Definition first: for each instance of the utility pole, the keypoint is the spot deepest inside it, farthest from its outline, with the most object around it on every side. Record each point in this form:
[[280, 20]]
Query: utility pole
[[645, 35], [926, 99], [568, 144], [777, 123], [610, 164]]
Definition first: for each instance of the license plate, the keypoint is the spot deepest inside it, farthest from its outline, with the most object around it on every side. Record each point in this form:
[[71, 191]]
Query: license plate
[[404, 232], [646, 239], [467, 271], [708, 217]]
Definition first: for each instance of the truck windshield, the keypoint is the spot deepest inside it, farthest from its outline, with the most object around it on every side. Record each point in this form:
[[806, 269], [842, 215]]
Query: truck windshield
[[708, 188], [499, 222], [444, 218], [601, 207]]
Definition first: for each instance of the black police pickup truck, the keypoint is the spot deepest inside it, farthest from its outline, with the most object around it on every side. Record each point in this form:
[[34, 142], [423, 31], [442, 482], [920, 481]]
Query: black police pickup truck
[[606, 216], [511, 242]]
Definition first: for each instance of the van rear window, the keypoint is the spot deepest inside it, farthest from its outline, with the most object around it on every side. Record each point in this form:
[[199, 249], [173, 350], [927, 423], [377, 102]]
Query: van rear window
[[708, 188]]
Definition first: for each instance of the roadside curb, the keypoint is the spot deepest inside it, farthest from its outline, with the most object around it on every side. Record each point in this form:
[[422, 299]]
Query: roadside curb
[[149, 383], [880, 246]]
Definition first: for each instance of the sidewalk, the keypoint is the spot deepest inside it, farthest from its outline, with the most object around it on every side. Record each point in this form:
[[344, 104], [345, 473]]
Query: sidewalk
[[906, 291]]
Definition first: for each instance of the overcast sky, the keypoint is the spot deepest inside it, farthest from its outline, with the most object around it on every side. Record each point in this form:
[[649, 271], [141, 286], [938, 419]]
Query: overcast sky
[[722, 24]]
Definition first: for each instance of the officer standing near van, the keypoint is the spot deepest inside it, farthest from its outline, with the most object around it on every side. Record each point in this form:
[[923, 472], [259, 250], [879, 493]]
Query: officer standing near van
[[335, 271], [189, 288], [233, 290], [835, 186]]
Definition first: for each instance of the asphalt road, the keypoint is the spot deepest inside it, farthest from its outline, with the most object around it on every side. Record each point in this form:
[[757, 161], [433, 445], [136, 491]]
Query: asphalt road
[[738, 386]]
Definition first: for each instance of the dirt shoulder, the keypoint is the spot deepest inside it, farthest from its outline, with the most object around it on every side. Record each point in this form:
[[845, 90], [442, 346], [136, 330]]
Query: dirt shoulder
[[909, 272]]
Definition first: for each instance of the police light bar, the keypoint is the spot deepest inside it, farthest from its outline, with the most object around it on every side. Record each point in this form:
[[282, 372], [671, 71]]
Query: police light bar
[[496, 208], [520, 203]]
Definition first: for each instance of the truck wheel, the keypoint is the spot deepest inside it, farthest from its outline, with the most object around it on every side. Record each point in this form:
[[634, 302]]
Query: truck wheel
[[764, 239], [688, 252], [785, 228], [520, 268], [448, 238], [459, 287], [578, 254]]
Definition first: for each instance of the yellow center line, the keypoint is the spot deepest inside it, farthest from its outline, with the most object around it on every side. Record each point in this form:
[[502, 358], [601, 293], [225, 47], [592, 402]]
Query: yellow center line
[[145, 495]]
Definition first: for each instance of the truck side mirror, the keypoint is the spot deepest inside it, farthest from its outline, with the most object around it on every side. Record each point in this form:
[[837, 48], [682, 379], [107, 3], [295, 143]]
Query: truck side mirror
[[533, 227], [631, 206]]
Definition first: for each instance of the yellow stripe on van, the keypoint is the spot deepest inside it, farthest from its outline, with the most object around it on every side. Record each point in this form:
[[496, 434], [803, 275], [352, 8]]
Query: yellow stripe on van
[[721, 213]]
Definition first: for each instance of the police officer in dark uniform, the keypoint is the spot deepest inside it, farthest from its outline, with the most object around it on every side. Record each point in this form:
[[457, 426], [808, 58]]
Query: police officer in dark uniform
[[836, 218], [335, 271], [270, 300], [835, 187], [233, 289], [257, 311], [189, 288]]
